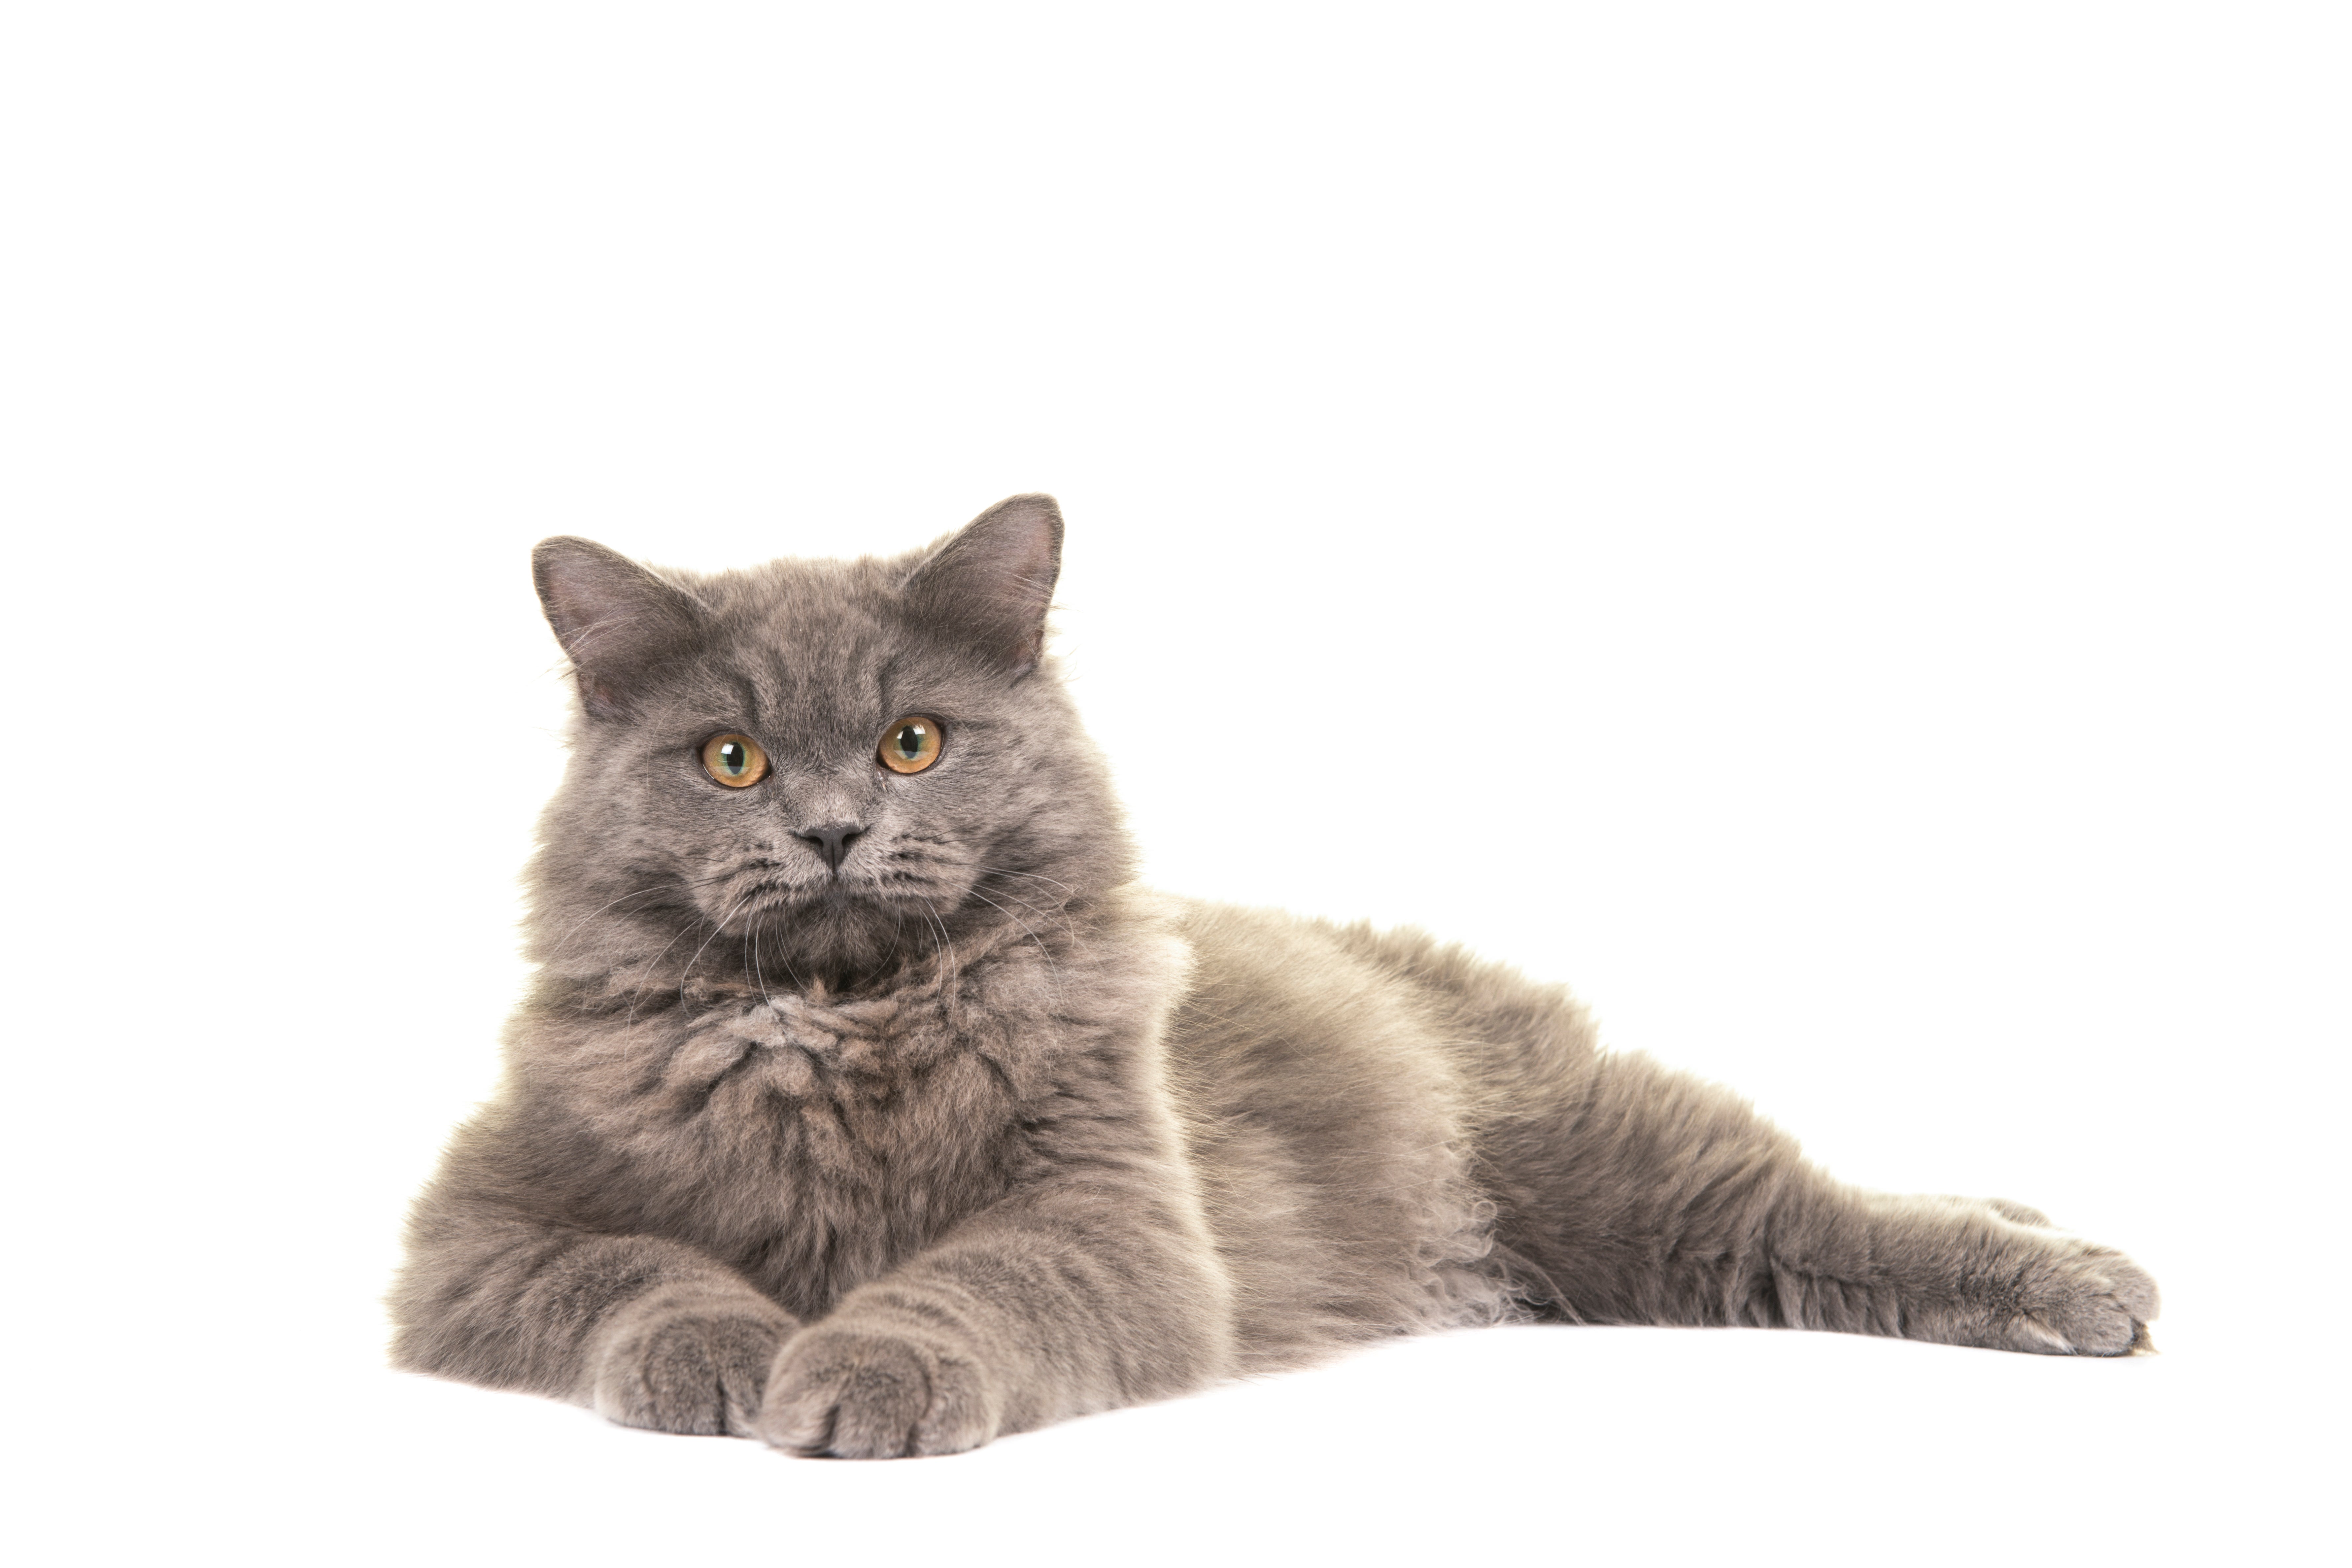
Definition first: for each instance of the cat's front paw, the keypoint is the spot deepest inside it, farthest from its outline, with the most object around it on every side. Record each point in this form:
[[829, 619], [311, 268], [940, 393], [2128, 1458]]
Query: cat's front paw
[[858, 1393], [2079, 1298], [689, 1365]]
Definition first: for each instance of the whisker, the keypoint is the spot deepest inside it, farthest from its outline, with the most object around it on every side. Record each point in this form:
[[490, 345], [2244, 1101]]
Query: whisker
[[1041, 912], [637, 986], [1008, 871], [952, 964], [639, 892], [574, 929], [1051, 968], [688, 973], [751, 950], [785, 959]]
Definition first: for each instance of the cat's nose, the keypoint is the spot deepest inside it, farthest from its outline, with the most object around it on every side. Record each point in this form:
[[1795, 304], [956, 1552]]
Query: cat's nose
[[832, 840]]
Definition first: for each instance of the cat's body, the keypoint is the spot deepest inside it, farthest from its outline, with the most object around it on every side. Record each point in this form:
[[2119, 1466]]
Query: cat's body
[[869, 1107]]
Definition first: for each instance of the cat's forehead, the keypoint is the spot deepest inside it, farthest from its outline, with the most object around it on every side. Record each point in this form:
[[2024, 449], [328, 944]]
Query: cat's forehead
[[809, 609], [830, 604], [811, 639]]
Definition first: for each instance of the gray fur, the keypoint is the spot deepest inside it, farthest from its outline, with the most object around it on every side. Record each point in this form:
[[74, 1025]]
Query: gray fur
[[977, 1134]]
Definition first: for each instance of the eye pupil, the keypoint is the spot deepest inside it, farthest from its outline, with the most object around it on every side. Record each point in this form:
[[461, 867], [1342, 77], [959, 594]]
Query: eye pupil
[[735, 760], [910, 745]]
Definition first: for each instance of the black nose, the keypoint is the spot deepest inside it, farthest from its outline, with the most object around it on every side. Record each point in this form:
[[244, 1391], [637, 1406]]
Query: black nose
[[832, 840]]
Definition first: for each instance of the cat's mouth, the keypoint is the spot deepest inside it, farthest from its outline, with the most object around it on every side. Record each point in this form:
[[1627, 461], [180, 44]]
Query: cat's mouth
[[842, 930], [773, 901], [767, 898]]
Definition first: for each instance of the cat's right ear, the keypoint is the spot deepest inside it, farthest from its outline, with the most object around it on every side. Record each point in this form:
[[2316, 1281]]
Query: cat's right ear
[[989, 583], [615, 619]]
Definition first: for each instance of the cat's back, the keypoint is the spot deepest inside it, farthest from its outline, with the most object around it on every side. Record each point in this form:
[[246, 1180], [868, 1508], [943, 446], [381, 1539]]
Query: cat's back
[[1296, 1006], [1334, 1081]]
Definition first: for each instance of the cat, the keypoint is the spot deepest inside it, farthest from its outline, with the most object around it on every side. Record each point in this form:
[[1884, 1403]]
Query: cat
[[863, 1102]]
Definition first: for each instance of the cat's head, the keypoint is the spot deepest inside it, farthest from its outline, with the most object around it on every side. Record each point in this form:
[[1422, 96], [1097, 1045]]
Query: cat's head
[[815, 770]]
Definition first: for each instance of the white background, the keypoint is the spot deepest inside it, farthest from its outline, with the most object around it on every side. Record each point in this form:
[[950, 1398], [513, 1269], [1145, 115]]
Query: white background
[[1824, 527]]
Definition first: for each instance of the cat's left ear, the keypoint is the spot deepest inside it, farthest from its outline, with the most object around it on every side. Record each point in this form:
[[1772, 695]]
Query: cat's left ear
[[989, 583], [615, 619]]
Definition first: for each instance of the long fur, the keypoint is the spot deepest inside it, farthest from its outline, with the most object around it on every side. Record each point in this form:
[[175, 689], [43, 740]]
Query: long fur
[[975, 1134]]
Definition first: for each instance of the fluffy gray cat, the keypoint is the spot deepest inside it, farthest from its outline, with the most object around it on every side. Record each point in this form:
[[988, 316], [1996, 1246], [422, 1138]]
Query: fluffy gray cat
[[864, 1103]]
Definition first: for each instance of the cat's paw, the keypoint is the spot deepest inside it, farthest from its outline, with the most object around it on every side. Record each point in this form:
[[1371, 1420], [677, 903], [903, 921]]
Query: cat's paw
[[858, 1393], [695, 1365], [2080, 1299]]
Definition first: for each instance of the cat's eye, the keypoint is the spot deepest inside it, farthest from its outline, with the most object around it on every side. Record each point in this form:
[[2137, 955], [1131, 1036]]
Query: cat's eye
[[911, 745], [735, 760]]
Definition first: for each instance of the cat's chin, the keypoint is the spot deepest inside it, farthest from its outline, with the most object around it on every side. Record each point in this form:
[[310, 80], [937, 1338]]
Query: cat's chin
[[846, 939]]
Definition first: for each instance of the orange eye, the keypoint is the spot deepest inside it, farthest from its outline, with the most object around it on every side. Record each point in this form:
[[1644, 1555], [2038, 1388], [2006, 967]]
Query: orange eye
[[911, 745], [735, 760]]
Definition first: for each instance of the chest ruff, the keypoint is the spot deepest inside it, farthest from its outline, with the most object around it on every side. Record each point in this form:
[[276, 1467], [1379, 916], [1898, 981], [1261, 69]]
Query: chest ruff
[[813, 1143]]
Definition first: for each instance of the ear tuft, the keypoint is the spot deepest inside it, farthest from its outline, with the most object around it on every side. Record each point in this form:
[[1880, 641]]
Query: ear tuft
[[989, 583], [615, 619]]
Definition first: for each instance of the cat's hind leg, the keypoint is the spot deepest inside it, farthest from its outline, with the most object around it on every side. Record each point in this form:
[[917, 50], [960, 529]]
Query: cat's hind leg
[[1638, 1195], [1953, 1270]]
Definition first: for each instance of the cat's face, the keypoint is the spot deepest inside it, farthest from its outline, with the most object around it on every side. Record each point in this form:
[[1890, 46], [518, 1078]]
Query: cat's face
[[815, 769]]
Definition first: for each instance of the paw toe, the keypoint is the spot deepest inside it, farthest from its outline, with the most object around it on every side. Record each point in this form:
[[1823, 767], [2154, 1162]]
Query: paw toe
[[2020, 1214], [857, 1396], [2098, 1302], [693, 1372]]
